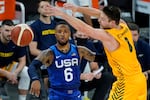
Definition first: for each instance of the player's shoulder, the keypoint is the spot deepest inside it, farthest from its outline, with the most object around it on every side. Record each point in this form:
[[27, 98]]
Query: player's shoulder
[[47, 52], [82, 48], [36, 22]]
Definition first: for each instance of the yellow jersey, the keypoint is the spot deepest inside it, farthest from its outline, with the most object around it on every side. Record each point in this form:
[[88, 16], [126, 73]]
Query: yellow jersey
[[123, 60]]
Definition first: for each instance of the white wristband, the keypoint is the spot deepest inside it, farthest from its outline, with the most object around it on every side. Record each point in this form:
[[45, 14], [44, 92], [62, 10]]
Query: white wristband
[[99, 70]]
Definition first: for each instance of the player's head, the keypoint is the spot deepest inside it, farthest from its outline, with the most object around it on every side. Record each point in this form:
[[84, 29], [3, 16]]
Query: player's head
[[109, 17], [80, 38], [43, 7], [134, 30], [5, 30], [62, 33]]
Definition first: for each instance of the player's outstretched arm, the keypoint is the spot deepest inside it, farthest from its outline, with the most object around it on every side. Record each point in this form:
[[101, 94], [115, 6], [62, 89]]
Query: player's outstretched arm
[[87, 54], [81, 26], [85, 10], [45, 58]]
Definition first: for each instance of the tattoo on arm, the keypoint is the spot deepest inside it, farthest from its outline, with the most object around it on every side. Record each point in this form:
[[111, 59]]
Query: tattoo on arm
[[86, 53], [46, 57]]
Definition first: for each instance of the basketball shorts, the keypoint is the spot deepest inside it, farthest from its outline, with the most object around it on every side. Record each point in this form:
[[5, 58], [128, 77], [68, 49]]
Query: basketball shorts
[[64, 94], [129, 88]]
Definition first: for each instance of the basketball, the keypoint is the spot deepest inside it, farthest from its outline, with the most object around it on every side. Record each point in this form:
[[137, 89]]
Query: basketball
[[22, 35]]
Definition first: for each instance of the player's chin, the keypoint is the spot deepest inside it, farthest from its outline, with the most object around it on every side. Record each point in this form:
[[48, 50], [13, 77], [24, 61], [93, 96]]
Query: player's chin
[[9, 38], [63, 42], [46, 15]]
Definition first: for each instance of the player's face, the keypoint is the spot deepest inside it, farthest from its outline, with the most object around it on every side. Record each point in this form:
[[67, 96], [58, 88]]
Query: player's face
[[135, 35], [44, 8], [62, 34], [81, 35], [104, 21], [6, 32]]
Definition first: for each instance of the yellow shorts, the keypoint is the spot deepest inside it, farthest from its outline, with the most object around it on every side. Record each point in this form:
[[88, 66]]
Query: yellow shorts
[[129, 88], [8, 68]]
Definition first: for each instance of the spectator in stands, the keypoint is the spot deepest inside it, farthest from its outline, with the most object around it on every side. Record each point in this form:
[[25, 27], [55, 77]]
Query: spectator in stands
[[102, 84], [9, 54], [43, 29], [142, 50]]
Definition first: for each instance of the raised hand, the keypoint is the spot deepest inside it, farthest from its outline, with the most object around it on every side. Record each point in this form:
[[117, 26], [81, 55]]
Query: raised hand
[[55, 11], [70, 7]]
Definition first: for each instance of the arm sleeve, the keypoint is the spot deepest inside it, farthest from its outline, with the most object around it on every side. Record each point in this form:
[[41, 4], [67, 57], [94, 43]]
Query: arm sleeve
[[33, 70]]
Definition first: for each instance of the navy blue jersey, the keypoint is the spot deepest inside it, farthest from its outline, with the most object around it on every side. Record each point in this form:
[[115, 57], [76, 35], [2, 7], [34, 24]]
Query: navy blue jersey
[[44, 34], [10, 52], [143, 54], [64, 73]]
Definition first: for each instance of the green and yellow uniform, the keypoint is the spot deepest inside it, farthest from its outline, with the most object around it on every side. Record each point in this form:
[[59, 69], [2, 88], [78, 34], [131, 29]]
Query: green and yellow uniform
[[131, 82]]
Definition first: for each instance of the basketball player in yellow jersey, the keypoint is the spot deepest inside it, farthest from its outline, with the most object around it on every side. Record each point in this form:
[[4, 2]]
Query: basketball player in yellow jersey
[[118, 44]]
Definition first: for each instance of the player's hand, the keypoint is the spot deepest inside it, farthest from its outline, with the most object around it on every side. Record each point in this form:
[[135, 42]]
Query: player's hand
[[70, 7], [12, 78], [146, 75], [55, 11], [35, 88], [87, 76], [98, 76]]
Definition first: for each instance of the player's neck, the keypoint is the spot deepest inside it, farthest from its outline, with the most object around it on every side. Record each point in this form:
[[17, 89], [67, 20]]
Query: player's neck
[[45, 20], [64, 48]]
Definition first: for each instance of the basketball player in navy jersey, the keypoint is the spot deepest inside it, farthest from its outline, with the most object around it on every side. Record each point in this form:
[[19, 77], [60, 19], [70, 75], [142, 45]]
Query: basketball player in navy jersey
[[63, 66]]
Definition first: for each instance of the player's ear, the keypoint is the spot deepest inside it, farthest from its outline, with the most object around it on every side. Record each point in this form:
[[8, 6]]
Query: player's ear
[[55, 34]]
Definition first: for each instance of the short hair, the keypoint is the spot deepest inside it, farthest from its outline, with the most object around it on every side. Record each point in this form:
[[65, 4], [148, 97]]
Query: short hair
[[61, 22], [38, 4], [133, 26], [7, 22], [113, 13], [43, 0]]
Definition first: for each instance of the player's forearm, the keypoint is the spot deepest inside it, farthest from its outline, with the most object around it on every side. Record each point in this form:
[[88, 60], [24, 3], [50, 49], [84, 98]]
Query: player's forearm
[[89, 11], [94, 66], [3, 72], [82, 76], [33, 69], [87, 19], [148, 71], [35, 51], [77, 24], [21, 64]]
